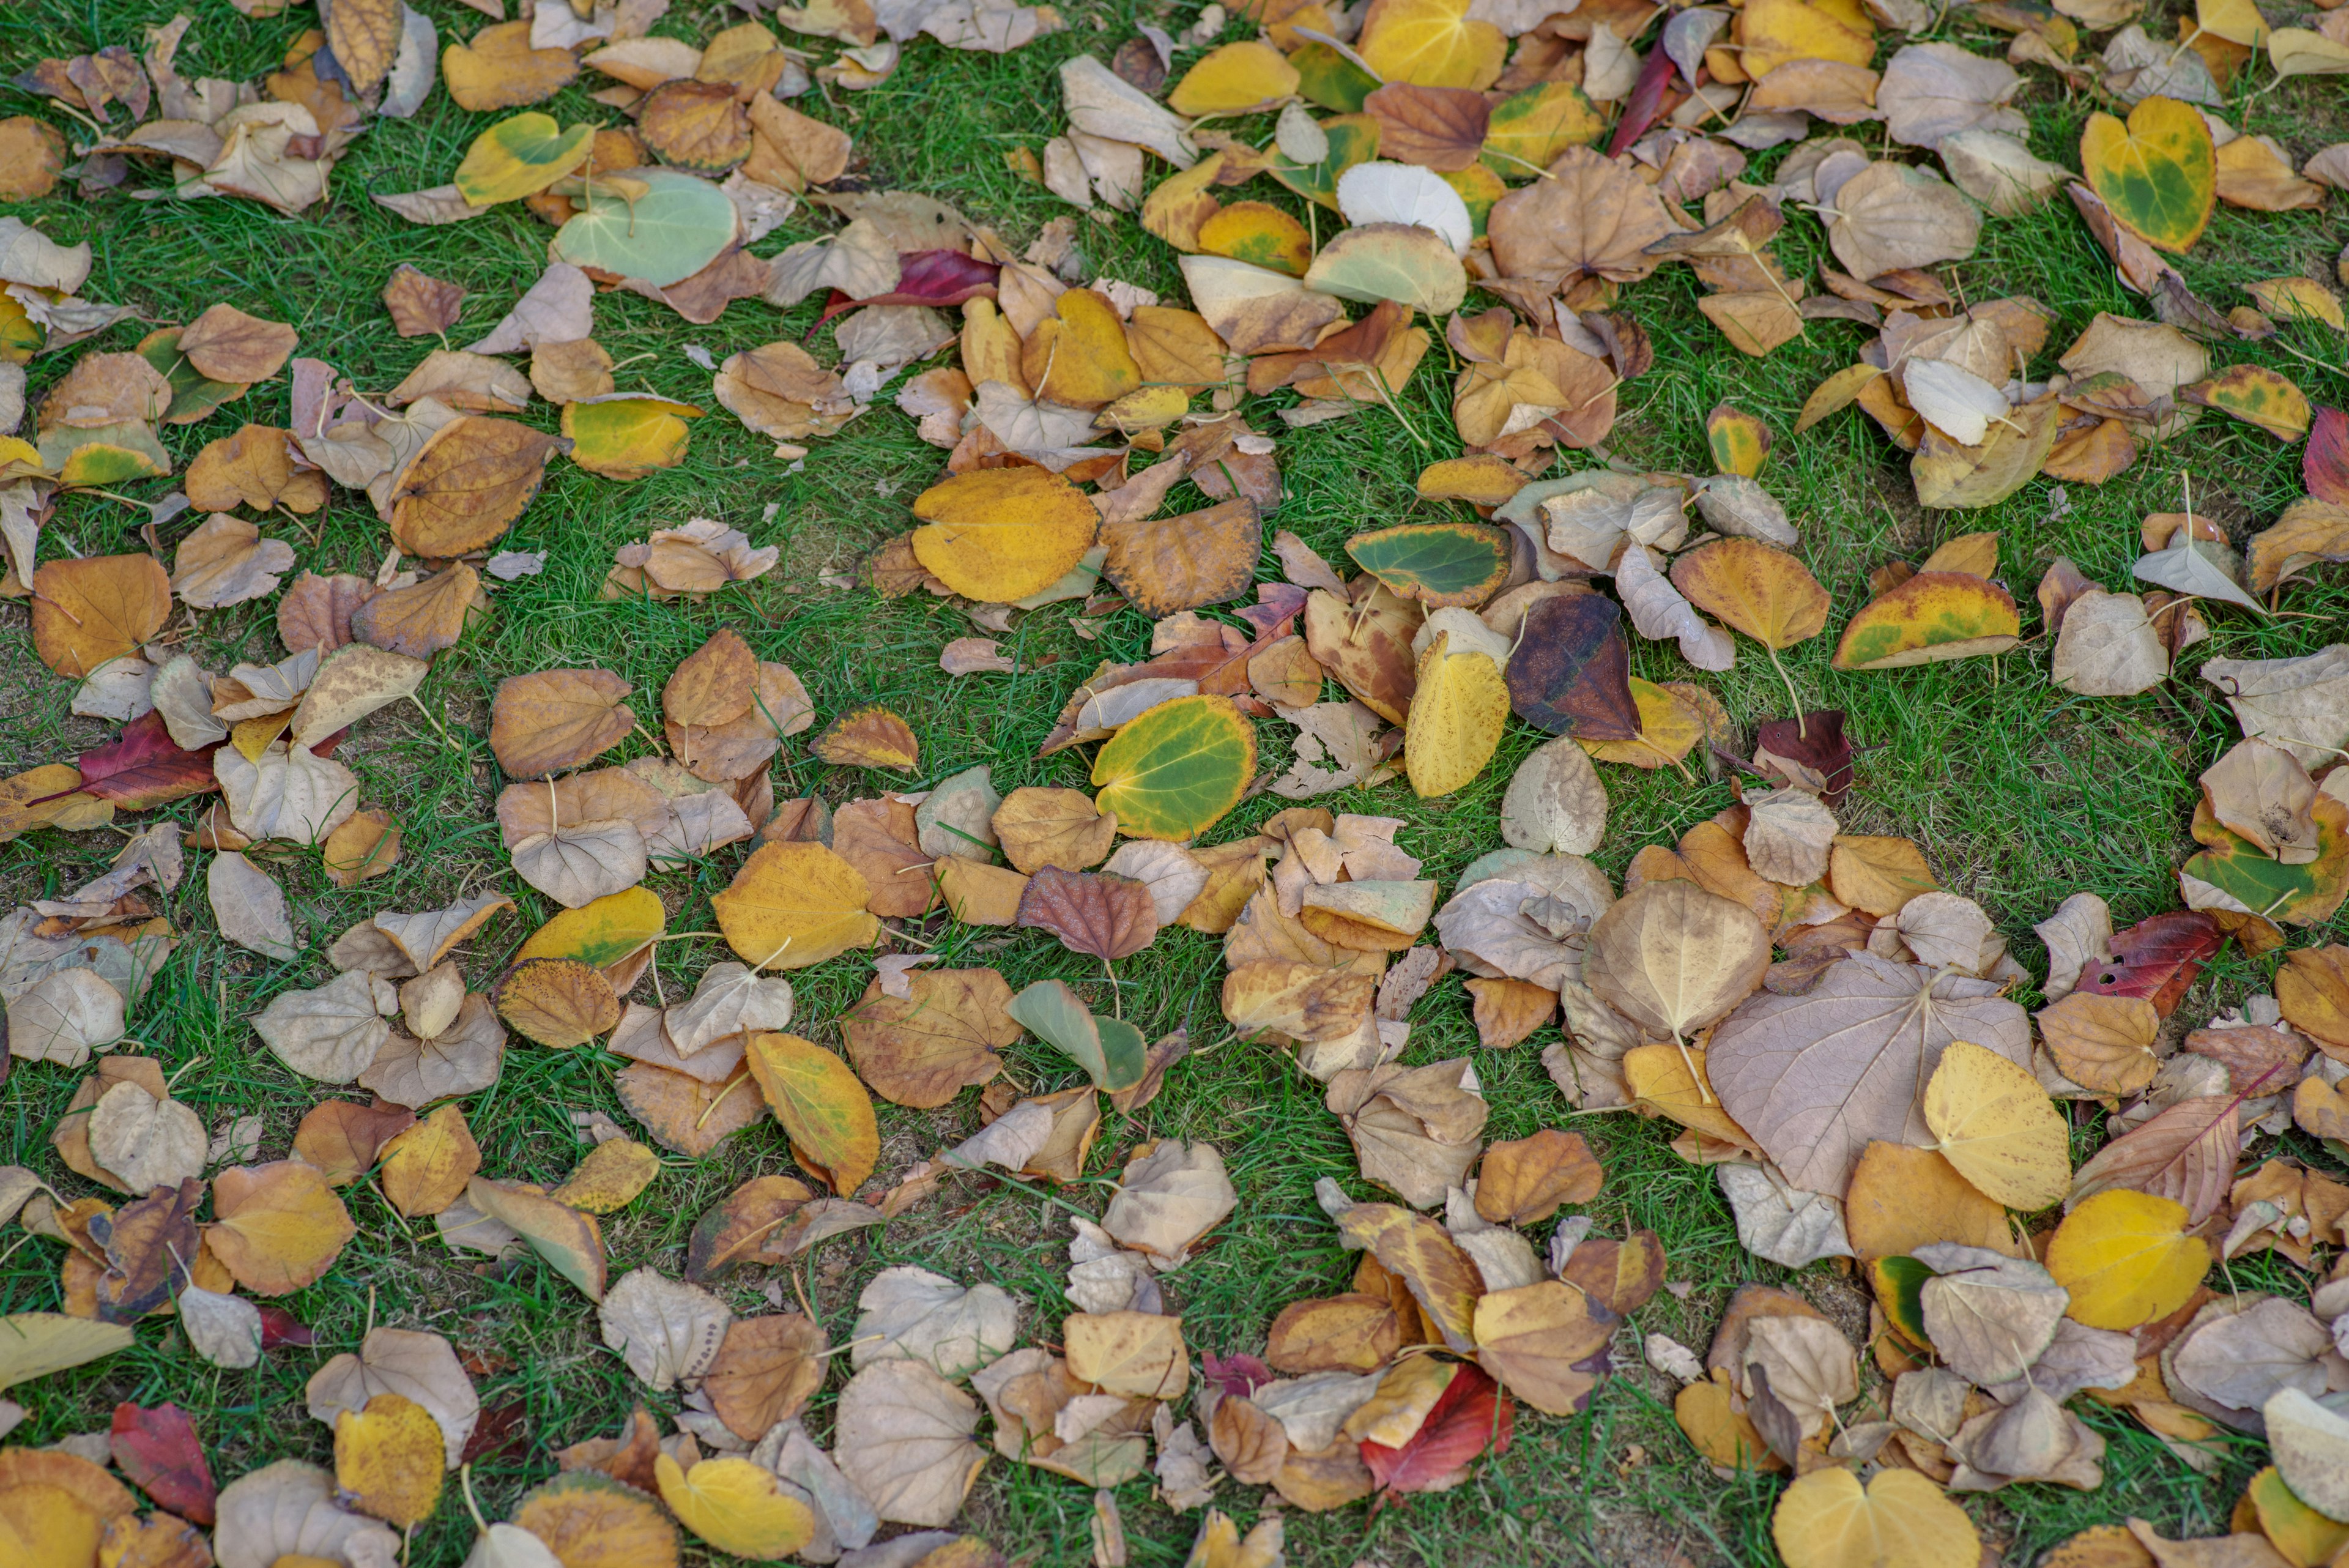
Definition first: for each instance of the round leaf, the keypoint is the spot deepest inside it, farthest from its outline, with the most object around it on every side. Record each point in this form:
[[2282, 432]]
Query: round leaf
[[1174, 772]]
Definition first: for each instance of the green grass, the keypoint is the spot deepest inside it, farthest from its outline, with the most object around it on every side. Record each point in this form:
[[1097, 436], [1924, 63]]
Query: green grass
[[2019, 795]]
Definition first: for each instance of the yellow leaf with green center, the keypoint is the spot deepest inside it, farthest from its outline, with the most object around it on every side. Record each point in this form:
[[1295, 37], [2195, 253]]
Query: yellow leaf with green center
[[103, 456], [1529, 131], [2126, 1258], [1238, 78], [627, 437], [1331, 80], [1932, 617], [2257, 396], [1740, 443], [995, 534], [520, 156], [1175, 771], [1353, 138], [1441, 565], [1457, 714], [2236, 875], [820, 1103], [734, 1506], [1259, 233], [2158, 174], [1431, 43], [602, 932]]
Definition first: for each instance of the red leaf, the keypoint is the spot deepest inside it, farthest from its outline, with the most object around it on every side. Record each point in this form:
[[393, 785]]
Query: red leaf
[[1242, 1375], [498, 1435], [157, 1450], [145, 767], [926, 277], [1470, 1413], [1817, 741], [2157, 959], [1645, 106], [2324, 466], [279, 1326], [1103, 917]]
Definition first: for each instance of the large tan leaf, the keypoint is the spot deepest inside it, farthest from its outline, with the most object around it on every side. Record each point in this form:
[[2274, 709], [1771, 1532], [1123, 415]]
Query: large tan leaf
[[903, 1434], [1675, 958], [1587, 217], [1813, 1078]]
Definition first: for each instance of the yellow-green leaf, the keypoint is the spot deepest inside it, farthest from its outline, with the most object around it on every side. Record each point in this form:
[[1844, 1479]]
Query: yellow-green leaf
[[520, 156], [1175, 770], [602, 932], [1529, 131], [819, 1101], [627, 436], [2257, 396], [2158, 174], [1931, 617]]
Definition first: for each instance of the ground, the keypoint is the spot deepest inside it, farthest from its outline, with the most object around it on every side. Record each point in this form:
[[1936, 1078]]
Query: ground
[[2019, 794]]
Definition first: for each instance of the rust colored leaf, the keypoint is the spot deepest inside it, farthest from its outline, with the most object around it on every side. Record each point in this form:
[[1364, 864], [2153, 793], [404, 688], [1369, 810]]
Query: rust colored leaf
[[421, 303], [160, 1451], [1106, 917], [145, 767], [2156, 959], [1438, 128], [343, 1138], [1470, 1415], [1527, 1179]]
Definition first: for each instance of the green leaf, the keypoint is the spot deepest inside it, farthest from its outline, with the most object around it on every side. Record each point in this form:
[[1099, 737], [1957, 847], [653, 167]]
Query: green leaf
[[193, 393], [1175, 771], [520, 156], [1401, 261], [1440, 564], [679, 226], [103, 456], [1111, 1051], [1900, 1290], [1331, 79]]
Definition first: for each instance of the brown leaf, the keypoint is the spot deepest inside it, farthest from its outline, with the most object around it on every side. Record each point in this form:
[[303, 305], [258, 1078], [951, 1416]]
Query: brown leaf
[[578, 371], [421, 304], [1618, 1276], [1104, 917], [226, 561], [765, 1372], [1590, 218], [1349, 1332], [1171, 563], [364, 845], [555, 720], [2103, 1043], [1251, 1445], [1041, 827], [497, 68], [364, 37], [2187, 1153], [696, 125], [467, 483], [226, 345], [1526, 1179], [721, 753], [881, 839], [88, 610], [151, 1246], [733, 1231], [253, 468], [422, 619], [714, 684], [1508, 1011], [103, 389], [1438, 128], [316, 611], [684, 1115], [343, 1138], [923, 1049], [869, 737]]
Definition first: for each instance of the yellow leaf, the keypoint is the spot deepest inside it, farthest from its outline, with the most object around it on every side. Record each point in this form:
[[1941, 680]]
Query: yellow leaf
[[1078, 354], [2237, 21], [1238, 78], [520, 156], [2126, 1258], [1998, 1127], [1668, 727], [1259, 233], [1457, 714], [735, 1507], [2158, 174], [1827, 1519], [997, 535], [426, 1166], [819, 1101], [390, 1458], [280, 1226], [794, 904], [626, 437], [1431, 43], [611, 1176], [601, 933]]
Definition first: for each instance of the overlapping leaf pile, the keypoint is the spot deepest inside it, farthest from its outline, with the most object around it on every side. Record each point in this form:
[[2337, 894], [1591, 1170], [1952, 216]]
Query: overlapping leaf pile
[[1829, 1028]]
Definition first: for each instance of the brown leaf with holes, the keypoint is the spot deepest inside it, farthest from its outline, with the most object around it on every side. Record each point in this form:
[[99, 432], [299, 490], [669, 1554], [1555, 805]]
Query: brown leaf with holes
[[421, 303], [422, 619], [468, 482], [1527, 1179], [870, 737], [555, 720], [1041, 826], [253, 468], [226, 345], [1168, 564], [1103, 917]]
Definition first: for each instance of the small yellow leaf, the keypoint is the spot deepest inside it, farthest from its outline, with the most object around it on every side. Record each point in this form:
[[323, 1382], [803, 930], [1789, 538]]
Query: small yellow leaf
[[1457, 714], [735, 1507], [2126, 1258], [1998, 1127], [389, 1458]]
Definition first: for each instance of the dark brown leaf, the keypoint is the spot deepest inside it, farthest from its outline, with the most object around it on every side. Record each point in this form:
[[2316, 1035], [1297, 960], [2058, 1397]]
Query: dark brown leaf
[[1572, 672], [1106, 917], [1436, 128]]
